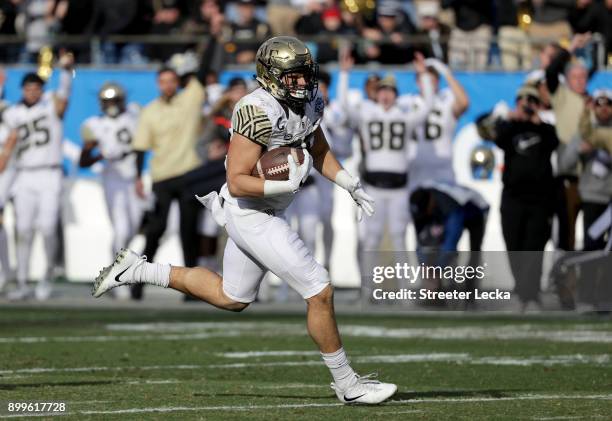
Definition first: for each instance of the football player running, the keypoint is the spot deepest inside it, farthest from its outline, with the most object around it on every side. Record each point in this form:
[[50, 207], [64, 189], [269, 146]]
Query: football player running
[[285, 111], [36, 124], [111, 134]]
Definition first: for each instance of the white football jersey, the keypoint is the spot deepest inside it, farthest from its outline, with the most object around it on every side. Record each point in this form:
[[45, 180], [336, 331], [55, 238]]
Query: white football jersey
[[432, 158], [39, 133], [385, 136], [259, 117], [338, 132], [114, 137]]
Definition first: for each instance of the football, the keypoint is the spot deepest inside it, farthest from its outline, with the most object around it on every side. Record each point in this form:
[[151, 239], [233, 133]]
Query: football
[[273, 164]]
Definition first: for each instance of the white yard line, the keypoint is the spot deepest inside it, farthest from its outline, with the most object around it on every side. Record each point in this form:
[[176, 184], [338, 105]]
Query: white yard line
[[153, 382], [463, 358], [267, 364], [459, 358], [255, 354], [291, 386], [200, 331], [37, 370], [114, 338], [570, 417], [321, 405], [416, 358]]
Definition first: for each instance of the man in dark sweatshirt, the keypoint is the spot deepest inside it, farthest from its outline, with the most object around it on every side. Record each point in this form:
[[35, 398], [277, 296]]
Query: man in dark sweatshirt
[[528, 194]]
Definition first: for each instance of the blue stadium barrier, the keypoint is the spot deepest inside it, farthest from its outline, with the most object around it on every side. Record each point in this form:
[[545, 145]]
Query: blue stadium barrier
[[484, 89]]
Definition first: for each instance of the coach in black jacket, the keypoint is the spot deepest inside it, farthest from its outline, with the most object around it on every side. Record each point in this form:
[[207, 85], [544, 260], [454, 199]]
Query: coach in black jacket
[[528, 195]]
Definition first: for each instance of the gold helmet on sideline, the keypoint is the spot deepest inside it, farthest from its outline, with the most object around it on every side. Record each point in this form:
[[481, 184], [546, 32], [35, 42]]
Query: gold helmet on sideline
[[112, 99], [482, 162], [281, 56]]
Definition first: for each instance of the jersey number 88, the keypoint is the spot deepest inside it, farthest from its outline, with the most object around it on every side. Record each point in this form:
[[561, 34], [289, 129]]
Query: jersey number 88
[[395, 131]]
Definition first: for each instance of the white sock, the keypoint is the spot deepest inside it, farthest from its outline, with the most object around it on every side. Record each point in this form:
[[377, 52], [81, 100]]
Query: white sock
[[144, 272], [340, 369], [24, 250], [50, 244]]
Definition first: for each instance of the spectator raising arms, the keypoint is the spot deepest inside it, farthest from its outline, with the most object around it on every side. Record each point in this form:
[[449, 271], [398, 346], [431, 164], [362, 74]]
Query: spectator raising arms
[[567, 101], [593, 148]]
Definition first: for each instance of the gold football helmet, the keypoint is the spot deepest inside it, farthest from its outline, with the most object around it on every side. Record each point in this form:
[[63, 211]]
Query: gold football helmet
[[112, 99], [277, 60], [482, 162]]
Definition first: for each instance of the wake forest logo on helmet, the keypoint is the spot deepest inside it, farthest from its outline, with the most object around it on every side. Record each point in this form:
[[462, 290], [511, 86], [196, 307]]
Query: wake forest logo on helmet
[[280, 56]]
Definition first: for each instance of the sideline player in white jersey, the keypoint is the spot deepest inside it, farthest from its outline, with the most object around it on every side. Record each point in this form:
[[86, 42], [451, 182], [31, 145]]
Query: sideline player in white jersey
[[285, 111], [36, 134], [108, 138], [385, 130], [432, 159], [7, 177]]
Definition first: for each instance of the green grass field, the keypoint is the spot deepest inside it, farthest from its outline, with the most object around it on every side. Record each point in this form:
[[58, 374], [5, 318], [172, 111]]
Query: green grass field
[[124, 365]]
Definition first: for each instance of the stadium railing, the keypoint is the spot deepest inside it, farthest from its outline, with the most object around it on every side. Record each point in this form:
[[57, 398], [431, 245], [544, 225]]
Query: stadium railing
[[94, 45]]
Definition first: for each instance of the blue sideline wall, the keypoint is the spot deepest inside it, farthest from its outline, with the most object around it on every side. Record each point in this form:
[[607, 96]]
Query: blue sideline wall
[[484, 89]]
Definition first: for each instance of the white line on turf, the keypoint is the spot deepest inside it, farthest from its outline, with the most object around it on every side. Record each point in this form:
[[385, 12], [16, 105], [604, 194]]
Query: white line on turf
[[574, 333], [291, 386], [199, 331], [108, 338], [267, 364], [463, 358], [328, 405], [37, 370], [153, 382], [255, 354], [459, 358], [569, 417]]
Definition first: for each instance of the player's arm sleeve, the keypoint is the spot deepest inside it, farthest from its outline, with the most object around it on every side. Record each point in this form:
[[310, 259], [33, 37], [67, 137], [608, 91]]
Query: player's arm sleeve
[[420, 115], [351, 110], [9, 119], [143, 138], [253, 123]]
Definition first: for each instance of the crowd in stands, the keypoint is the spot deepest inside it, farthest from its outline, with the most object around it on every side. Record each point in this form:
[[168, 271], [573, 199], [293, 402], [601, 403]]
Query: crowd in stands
[[471, 34]]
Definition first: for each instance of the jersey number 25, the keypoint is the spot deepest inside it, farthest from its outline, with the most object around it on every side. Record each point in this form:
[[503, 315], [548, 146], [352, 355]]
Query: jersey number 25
[[32, 133]]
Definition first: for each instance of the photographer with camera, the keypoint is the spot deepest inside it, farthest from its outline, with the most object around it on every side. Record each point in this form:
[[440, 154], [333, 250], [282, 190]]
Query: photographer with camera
[[528, 194]]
